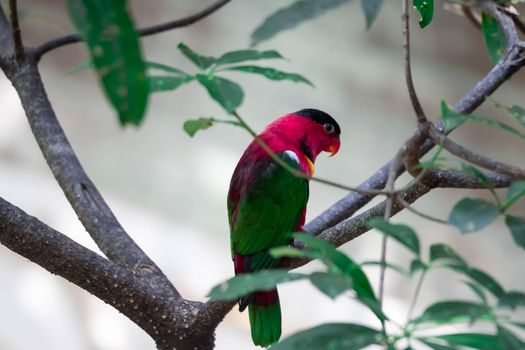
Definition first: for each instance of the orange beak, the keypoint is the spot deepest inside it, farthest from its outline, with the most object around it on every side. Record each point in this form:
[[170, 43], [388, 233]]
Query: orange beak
[[333, 147]]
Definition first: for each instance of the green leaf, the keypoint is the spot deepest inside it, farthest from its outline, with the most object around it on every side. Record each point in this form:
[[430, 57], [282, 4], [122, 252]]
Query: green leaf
[[474, 340], [473, 214], [394, 267], [167, 83], [371, 9], [518, 112], [451, 119], [192, 126], [477, 290], [200, 61], [509, 341], [247, 283], [291, 16], [435, 346], [444, 312], [514, 193], [271, 73], [516, 226], [165, 68], [494, 37], [426, 11], [512, 299], [331, 284], [417, 265], [331, 336], [481, 277], [475, 172], [443, 251], [227, 93], [401, 233], [114, 48], [247, 55]]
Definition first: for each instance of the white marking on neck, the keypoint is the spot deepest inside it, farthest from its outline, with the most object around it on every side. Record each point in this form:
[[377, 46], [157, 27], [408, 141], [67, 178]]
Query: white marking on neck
[[292, 155]]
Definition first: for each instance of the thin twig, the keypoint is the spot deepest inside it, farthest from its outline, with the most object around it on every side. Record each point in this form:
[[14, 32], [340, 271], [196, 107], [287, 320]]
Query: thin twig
[[476, 158], [179, 23], [420, 113], [471, 16], [15, 30], [409, 207], [6, 38]]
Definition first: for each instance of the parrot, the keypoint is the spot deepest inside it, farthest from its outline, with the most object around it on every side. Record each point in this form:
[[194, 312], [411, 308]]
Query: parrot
[[266, 203]]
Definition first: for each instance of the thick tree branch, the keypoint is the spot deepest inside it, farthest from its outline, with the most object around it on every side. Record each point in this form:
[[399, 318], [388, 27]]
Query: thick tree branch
[[15, 31], [92, 210], [501, 72], [171, 322], [179, 23], [6, 38]]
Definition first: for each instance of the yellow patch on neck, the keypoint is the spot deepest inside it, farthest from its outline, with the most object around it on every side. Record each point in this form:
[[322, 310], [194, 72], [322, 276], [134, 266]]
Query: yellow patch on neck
[[311, 166]]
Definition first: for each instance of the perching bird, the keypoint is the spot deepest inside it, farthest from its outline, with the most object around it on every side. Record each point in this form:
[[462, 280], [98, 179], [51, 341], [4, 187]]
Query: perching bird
[[266, 203]]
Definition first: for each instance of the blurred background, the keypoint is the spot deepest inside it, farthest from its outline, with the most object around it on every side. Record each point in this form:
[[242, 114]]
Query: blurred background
[[168, 190]]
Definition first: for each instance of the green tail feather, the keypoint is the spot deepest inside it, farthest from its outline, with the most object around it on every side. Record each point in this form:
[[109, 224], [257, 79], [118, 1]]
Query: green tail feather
[[265, 323]]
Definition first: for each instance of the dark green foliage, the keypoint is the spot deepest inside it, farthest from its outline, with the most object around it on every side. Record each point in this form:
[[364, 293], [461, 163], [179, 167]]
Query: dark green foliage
[[401, 233], [331, 284], [226, 92], [516, 226], [473, 214], [271, 73], [113, 44], [426, 11], [291, 16], [331, 336], [453, 311], [494, 37], [473, 340], [371, 9]]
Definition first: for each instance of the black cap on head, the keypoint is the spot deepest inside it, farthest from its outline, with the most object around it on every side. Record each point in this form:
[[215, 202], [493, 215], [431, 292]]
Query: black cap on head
[[318, 117]]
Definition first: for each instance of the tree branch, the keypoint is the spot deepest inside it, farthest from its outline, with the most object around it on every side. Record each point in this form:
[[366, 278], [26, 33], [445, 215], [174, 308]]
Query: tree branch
[[476, 158], [15, 31], [6, 38], [501, 72], [179, 23], [92, 210]]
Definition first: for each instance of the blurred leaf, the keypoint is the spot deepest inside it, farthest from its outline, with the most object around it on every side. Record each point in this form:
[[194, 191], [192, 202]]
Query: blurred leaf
[[512, 299], [80, 67], [426, 11], [473, 214], [371, 9], [200, 61], [475, 172], [516, 226], [444, 312], [394, 267], [508, 340], [331, 336], [331, 284], [227, 93], [416, 265], [518, 112], [192, 126], [168, 83], [477, 290], [453, 119], [514, 193], [114, 48], [165, 68], [435, 346], [291, 16], [518, 324], [444, 251], [474, 340], [327, 253], [482, 278], [494, 37], [271, 73], [401, 233], [244, 284], [247, 55]]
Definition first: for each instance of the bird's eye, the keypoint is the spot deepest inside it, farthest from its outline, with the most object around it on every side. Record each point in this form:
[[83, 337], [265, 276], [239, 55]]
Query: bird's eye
[[329, 128]]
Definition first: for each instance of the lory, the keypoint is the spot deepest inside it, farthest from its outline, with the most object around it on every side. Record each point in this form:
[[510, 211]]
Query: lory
[[266, 203]]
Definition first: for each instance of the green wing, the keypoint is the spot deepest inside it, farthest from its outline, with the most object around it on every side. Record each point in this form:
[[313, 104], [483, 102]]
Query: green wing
[[269, 209]]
